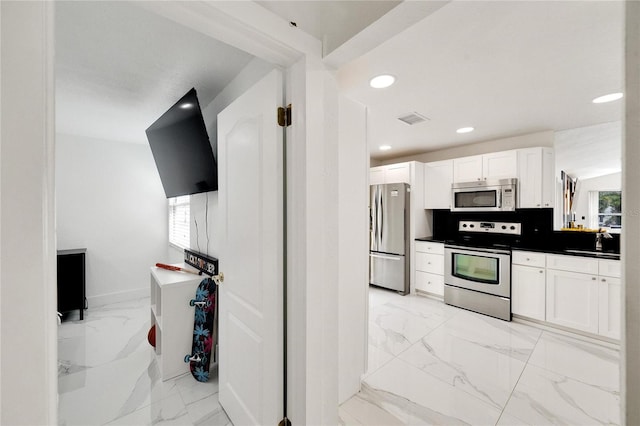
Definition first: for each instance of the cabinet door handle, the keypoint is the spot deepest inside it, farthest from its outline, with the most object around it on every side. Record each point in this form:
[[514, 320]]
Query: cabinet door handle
[[604, 280], [593, 278], [541, 271], [537, 205]]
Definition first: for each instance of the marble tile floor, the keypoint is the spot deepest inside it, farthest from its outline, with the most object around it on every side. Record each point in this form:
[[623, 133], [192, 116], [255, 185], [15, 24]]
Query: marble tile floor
[[108, 374], [429, 363], [433, 364]]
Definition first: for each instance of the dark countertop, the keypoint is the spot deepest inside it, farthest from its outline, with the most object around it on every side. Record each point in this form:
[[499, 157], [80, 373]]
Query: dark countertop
[[430, 240], [71, 251], [605, 254], [609, 255]]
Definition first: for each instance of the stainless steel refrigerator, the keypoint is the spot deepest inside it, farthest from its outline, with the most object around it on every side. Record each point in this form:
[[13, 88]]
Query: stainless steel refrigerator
[[389, 229]]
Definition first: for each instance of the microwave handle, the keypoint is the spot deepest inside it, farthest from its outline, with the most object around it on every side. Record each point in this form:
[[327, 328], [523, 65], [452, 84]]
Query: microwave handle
[[500, 198]]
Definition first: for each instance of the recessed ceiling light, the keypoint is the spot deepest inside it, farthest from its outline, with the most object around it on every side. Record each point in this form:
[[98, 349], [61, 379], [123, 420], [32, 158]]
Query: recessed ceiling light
[[385, 147], [382, 81], [607, 98], [186, 105], [465, 130]]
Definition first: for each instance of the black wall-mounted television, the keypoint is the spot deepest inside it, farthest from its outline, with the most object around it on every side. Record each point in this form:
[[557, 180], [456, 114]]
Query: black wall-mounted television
[[181, 149]]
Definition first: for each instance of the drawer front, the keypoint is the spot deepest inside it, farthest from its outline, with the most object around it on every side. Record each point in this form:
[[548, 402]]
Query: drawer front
[[609, 268], [585, 265], [528, 258], [432, 263], [431, 283], [428, 247]]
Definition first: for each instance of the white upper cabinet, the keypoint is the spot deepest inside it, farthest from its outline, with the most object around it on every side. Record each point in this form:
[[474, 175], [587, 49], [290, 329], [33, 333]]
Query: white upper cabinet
[[548, 177], [376, 175], [535, 177], [497, 165], [534, 168], [398, 173], [467, 169], [438, 177], [500, 165], [392, 173]]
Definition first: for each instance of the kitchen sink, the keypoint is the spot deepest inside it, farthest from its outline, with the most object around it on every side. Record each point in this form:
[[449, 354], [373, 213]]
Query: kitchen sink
[[594, 253]]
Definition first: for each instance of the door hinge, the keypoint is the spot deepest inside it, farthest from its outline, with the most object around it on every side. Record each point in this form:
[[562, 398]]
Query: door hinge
[[284, 116], [284, 422]]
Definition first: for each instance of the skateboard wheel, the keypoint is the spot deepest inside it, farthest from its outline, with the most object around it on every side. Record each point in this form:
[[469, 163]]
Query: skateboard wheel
[[192, 302], [187, 357]]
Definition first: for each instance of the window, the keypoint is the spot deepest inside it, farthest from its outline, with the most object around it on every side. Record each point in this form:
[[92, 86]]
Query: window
[[179, 221], [606, 208]]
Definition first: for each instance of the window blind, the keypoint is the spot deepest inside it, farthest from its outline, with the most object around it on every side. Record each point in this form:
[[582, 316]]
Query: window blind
[[179, 221]]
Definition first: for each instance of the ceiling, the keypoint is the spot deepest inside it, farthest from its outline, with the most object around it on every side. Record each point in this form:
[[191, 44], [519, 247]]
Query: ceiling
[[505, 68], [333, 22], [119, 67]]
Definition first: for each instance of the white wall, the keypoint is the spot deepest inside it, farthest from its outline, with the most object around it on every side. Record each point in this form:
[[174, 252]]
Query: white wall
[[523, 141], [28, 375], [588, 152], [612, 182], [204, 235], [111, 202], [352, 247]]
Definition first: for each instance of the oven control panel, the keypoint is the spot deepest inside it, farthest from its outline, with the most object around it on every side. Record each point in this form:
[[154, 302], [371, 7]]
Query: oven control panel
[[511, 228]]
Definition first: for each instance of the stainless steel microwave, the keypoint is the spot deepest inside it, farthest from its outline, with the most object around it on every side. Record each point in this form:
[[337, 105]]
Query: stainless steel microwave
[[484, 196]]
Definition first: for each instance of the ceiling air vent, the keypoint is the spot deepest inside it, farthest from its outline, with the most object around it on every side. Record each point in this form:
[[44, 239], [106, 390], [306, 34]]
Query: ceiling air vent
[[412, 118]]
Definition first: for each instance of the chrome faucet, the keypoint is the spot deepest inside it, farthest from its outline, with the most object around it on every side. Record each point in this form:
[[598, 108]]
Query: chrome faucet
[[599, 237]]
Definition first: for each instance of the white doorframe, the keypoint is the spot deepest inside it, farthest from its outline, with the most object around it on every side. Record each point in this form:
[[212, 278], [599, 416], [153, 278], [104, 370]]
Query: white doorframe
[[28, 276], [630, 339]]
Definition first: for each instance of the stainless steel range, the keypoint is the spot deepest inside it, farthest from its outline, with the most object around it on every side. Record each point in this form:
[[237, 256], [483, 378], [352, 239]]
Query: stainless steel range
[[478, 278]]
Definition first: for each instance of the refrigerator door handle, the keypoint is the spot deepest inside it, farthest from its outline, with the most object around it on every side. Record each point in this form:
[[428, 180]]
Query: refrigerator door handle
[[374, 219], [378, 218], [387, 256], [381, 218]]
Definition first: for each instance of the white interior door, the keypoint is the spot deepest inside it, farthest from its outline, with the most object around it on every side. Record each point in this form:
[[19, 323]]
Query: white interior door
[[250, 147]]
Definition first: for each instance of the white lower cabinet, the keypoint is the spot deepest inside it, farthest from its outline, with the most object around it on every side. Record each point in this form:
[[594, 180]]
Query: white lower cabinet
[[528, 291], [572, 300], [610, 297], [429, 270], [582, 293], [609, 312], [431, 283]]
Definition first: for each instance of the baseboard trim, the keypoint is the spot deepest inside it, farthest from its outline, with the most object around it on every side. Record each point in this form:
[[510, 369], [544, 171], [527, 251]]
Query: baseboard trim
[[571, 332], [121, 296]]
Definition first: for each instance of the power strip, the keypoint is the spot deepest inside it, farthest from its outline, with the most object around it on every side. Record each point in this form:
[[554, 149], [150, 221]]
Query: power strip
[[202, 262]]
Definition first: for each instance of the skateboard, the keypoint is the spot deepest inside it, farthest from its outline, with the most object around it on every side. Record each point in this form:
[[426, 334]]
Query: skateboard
[[203, 331]]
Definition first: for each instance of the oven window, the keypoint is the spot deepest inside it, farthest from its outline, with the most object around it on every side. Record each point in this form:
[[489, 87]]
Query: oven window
[[476, 199], [480, 269]]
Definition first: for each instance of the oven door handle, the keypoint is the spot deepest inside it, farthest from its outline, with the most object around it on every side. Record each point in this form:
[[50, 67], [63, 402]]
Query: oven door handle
[[476, 249]]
